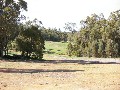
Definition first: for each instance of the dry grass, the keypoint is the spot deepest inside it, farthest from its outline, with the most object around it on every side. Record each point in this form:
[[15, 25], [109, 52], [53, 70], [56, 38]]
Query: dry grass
[[58, 76]]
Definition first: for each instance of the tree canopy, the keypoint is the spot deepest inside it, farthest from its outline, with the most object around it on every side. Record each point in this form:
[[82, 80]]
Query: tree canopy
[[98, 37], [30, 41], [9, 21]]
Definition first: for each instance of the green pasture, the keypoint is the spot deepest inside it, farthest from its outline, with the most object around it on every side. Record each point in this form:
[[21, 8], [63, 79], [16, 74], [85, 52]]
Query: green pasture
[[53, 50], [59, 48]]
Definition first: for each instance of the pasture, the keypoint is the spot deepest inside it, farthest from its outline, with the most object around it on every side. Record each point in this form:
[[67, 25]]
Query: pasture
[[60, 72], [59, 75]]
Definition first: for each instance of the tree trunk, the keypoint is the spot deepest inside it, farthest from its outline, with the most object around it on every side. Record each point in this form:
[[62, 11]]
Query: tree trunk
[[1, 53]]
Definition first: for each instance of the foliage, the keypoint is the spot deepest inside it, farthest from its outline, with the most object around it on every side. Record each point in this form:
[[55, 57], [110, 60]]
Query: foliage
[[9, 21], [71, 29], [53, 35], [69, 49], [98, 37], [30, 42]]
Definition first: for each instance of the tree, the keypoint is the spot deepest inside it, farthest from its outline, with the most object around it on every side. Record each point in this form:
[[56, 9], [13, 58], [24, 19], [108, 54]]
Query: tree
[[9, 21], [101, 49], [53, 34], [30, 41], [71, 28], [109, 48], [69, 48], [95, 49], [98, 37]]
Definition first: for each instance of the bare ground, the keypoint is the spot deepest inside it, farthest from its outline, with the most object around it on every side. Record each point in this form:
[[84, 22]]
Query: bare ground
[[60, 75]]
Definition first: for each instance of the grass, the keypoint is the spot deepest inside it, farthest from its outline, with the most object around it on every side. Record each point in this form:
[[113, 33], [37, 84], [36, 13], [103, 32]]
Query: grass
[[58, 76], [58, 51], [11, 52], [53, 51], [57, 48]]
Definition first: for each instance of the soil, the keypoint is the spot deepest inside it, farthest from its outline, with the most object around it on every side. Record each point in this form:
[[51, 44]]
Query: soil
[[60, 75]]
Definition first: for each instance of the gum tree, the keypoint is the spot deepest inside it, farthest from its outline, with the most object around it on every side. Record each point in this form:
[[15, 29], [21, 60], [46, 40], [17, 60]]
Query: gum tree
[[9, 21]]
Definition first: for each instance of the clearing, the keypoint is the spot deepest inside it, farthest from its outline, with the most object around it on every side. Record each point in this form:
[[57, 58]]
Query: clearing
[[60, 75]]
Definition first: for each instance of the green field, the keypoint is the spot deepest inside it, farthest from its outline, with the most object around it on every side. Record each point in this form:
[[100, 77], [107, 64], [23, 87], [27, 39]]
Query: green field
[[59, 48], [53, 51]]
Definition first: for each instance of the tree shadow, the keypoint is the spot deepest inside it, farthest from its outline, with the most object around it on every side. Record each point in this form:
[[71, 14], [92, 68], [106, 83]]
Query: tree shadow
[[75, 61], [49, 52], [13, 70], [17, 58], [97, 62]]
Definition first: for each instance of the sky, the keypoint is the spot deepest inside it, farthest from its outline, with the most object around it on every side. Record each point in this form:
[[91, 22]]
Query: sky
[[55, 13]]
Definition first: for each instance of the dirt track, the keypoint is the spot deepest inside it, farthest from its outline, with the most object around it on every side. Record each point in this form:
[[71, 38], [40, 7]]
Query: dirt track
[[59, 76]]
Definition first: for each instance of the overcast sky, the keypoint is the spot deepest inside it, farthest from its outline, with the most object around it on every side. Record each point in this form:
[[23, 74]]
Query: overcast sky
[[55, 13]]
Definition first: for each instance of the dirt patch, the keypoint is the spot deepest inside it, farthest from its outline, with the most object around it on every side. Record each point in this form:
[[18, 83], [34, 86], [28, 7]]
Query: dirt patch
[[59, 76]]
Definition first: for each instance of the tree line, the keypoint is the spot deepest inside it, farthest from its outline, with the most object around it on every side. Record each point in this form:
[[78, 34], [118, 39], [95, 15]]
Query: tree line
[[98, 37], [54, 34]]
